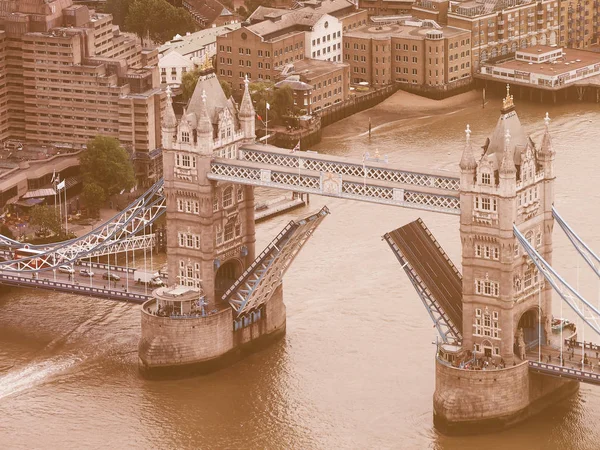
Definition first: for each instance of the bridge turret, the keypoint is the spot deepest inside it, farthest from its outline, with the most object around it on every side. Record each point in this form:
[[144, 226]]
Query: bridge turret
[[169, 124], [500, 287], [246, 116], [204, 139]]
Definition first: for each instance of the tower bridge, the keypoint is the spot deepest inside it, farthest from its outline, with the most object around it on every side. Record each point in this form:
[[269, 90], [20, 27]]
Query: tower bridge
[[222, 300]]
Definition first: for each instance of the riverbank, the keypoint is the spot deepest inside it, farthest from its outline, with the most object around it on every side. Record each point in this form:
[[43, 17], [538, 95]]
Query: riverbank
[[405, 106]]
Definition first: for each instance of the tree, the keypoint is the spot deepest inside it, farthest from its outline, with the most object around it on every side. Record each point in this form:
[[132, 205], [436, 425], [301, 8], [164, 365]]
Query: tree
[[158, 20], [46, 219], [106, 164], [226, 88], [5, 231], [118, 9], [281, 101], [189, 80], [93, 197]]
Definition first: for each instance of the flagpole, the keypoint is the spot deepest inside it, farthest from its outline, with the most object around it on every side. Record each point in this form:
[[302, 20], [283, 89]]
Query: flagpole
[[267, 123], [66, 211], [59, 201]]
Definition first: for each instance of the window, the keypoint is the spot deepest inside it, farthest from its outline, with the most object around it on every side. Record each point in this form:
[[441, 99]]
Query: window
[[486, 324], [228, 197], [487, 288], [240, 193], [215, 203], [229, 232], [185, 136], [486, 178]]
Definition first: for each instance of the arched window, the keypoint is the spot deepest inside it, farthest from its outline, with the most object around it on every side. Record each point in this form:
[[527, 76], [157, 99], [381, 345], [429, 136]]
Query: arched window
[[228, 197]]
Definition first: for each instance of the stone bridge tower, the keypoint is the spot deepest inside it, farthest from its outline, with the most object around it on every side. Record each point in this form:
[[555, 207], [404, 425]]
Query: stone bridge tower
[[210, 226], [506, 304], [512, 182]]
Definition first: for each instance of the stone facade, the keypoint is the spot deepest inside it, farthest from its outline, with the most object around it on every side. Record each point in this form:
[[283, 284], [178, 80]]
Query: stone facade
[[506, 304], [199, 345]]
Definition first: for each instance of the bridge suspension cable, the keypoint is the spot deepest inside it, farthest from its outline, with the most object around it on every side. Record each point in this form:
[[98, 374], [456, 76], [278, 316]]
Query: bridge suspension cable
[[583, 308], [117, 234], [584, 250]]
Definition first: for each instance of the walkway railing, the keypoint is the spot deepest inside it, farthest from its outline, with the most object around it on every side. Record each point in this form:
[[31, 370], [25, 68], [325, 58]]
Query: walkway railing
[[14, 280], [564, 372]]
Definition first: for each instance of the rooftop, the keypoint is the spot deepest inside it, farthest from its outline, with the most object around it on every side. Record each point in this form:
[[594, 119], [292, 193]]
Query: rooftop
[[195, 41], [314, 68], [411, 29], [572, 59]]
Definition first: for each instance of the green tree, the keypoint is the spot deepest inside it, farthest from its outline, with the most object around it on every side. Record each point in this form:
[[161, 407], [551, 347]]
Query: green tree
[[189, 80], [5, 231], [226, 88], [93, 197], [106, 164], [158, 20], [118, 9], [46, 219], [281, 101]]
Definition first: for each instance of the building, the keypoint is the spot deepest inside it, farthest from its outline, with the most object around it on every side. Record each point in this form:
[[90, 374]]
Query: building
[[497, 27], [198, 44], [209, 12], [317, 84], [70, 75], [386, 7], [417, 52], [579, 23], [211, 125], [277, 37], [544, 67], [183, 53]]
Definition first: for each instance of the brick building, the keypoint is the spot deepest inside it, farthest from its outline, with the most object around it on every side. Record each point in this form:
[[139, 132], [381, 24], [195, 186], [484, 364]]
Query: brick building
[[420, 53], [277, 37], [498, 27], [317, 84], [386, 7], [71, 75], [579, 23]]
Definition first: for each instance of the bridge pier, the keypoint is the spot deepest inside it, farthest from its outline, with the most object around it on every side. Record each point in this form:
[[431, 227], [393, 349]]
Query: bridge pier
[[479, 401]]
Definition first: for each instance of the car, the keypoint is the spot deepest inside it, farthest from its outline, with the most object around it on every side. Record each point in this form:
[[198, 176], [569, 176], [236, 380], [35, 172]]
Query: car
[[66, 269], [110, 276], [86, 273]]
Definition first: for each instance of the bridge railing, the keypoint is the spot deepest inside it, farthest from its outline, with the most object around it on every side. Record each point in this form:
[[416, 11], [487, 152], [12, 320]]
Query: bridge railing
[[564, 372], [80, 289]]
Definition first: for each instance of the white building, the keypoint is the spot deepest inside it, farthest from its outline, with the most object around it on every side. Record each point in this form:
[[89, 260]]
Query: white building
[[172, 67], [324, 40], [184, 53]]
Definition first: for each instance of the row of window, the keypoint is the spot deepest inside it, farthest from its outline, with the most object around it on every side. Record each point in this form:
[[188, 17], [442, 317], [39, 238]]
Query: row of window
[[486, 324], [188, 206], [486, 203], [183, 160], [188, 240], [189, 274], [227, 198], [487, 251], [326, 38], [229, 233], [487, 288], [328, 49], [528, 196]]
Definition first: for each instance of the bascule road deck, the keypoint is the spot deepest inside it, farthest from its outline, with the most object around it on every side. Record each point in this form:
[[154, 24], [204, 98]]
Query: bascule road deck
[[431, 264]]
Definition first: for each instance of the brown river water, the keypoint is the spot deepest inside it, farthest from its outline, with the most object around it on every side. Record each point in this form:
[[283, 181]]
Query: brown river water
[[356, 368]]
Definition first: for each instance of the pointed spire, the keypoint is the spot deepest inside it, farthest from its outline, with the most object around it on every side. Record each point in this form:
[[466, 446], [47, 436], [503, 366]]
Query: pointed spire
[[508, 103], [467, 162], [204, 123], [508, 164], [546, 148], [246, 107], [170, 120]]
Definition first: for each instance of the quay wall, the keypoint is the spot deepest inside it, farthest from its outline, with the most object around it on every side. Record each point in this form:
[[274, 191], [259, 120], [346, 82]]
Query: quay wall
[[174, 347], [476, 401]]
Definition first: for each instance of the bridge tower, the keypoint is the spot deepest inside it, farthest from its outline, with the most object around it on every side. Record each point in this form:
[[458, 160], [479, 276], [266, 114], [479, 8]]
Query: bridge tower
[[506, 304], [210, 242]]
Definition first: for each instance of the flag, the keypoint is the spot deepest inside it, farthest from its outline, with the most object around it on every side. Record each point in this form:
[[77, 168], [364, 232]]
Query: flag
[[259, 118], [296, 148], [53, 176], [60, 186], [268, 106]]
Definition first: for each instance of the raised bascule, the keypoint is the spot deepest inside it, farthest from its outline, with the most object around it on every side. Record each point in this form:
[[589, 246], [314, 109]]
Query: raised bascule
[[498, 361]]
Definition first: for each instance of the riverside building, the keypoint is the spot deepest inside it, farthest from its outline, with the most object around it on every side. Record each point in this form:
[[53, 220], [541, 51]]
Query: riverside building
[[67, 74]]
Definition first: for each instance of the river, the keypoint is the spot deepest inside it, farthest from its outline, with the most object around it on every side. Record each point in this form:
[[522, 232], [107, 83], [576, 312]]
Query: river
[[356, 368]]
